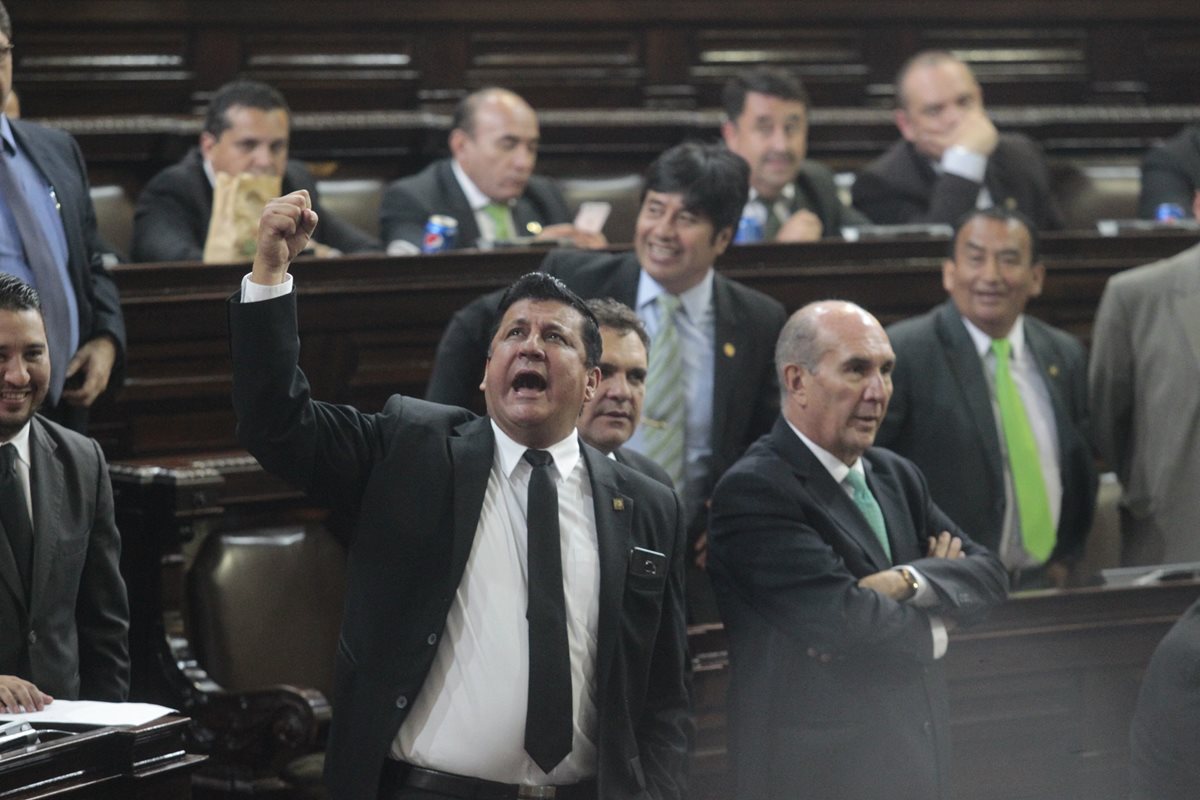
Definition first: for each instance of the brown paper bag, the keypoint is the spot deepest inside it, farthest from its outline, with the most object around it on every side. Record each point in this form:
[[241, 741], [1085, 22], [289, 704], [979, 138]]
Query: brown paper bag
[[238, 201]]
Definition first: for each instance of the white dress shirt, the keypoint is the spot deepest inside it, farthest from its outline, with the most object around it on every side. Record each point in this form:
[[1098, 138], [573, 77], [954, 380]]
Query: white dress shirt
[[469, 717]]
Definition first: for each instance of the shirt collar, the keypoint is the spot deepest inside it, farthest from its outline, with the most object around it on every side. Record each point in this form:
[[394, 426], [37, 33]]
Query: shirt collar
[[209, 172], [788, 194], [565, 452], [696, 301], [983, 342], [20, 440], [475, 198], [833, 465]]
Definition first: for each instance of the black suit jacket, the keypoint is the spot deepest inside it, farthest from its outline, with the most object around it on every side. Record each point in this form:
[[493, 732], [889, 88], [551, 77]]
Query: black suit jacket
[[1171, 173], [409, 202], [787, 546], [644, 465], [414, 478], [1164, 741], [745, 392], [58, 158], [69, 636], [941, 417], [173, 212], [902, 187], [816, 191]]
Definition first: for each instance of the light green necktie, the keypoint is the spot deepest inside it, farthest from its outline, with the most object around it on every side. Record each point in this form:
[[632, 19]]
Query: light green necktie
[[499, 216], [665, 410], [1033, 508], [870, 509]]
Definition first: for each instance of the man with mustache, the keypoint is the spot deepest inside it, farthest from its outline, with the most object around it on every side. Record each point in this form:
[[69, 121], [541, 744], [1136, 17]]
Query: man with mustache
[[766, 123], [513, 622], [613, 413], [487, 185]]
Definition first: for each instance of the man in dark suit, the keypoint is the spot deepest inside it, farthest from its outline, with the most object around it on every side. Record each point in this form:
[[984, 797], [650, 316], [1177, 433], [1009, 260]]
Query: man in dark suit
[[690, 206], [1164, 740], [487, 185], [55, 217], [766, 123], [1171, 174], [246, 130], [63, 608], [837, 577], [432, 669], [613, 413], [945, 413], [951, 159]]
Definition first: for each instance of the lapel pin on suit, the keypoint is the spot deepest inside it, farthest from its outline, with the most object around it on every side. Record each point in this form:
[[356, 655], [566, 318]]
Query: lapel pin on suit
[[534, 227], [730, 350], [618, 504], [1053, 370]]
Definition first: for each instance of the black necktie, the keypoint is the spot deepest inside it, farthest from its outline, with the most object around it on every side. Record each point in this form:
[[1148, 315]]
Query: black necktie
[[40, 259], [14, 514], [548, 719]]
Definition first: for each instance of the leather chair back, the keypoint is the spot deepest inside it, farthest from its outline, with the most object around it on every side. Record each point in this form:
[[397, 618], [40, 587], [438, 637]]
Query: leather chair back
[[266, 605], [114, 217], [354, 201], [624, 192]]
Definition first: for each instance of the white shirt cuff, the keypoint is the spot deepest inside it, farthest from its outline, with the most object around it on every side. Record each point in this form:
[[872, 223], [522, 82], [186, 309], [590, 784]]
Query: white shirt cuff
[[254, 292], [941, 639], [964, 163]]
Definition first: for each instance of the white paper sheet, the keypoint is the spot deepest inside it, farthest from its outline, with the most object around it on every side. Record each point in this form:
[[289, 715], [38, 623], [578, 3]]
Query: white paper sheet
[[93, 712]]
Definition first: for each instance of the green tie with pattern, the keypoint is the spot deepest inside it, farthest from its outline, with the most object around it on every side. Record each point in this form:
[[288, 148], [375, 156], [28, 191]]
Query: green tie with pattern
[[1033, 507], [870, 509], [498, 212], [665, 409]]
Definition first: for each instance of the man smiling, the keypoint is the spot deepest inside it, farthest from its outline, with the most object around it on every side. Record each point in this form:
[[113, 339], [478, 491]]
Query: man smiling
[[951, 398], [514, 616]]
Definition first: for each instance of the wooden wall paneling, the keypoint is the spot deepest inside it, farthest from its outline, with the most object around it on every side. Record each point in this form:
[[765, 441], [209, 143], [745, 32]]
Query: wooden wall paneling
[[320, 69], [668, 50], [125, 71], [829, 61], [1172, 62]]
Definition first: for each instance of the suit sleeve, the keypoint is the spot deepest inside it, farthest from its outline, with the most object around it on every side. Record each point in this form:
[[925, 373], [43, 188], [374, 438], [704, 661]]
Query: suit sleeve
[[326, 450], [1164, 180], [665, 728], [102, 608], [1111, 382], [764, 550], [162, 224], [402, 215]]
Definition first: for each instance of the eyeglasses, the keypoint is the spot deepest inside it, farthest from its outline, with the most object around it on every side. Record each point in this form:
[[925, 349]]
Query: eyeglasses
[[5, 52]]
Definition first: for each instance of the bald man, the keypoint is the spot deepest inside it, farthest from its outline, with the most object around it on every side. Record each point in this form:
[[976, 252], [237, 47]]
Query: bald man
[[487, 185]]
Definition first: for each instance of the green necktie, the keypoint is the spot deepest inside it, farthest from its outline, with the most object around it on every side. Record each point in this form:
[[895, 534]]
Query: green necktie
[[499, 215], [870, 509], [772, 225], [665, 409], [1033, 508]]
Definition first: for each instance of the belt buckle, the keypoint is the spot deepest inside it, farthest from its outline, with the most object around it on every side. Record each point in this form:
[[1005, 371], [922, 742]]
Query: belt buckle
[[527, 792]]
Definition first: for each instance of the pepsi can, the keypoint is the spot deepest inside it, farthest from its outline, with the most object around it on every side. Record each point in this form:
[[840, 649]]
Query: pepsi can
[[1168, 212], [441, 232], [751, 227]]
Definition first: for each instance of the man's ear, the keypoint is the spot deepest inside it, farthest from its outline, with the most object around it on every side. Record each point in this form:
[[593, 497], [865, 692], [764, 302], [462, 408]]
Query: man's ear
[[207, 143], [904, 124], [795, 382], [458, 140]]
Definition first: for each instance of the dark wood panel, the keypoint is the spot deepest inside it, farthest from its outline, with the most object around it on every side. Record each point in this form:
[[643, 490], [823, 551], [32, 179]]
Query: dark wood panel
[[370, 325]]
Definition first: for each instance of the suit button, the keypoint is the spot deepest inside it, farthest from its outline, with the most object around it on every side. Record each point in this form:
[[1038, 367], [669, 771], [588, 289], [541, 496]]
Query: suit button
[[33, 637], [432, 640], [401, 702]]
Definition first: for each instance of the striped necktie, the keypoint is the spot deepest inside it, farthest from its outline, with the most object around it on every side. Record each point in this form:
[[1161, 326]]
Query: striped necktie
[[665, 410]]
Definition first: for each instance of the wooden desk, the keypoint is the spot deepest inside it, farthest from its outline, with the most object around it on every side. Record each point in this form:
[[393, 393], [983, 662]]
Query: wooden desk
[[148, 762], [370, 325], [1041, 695]]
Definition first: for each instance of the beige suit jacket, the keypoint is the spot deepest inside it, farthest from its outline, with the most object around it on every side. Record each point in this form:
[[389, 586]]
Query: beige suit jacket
[[1144, 379]]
